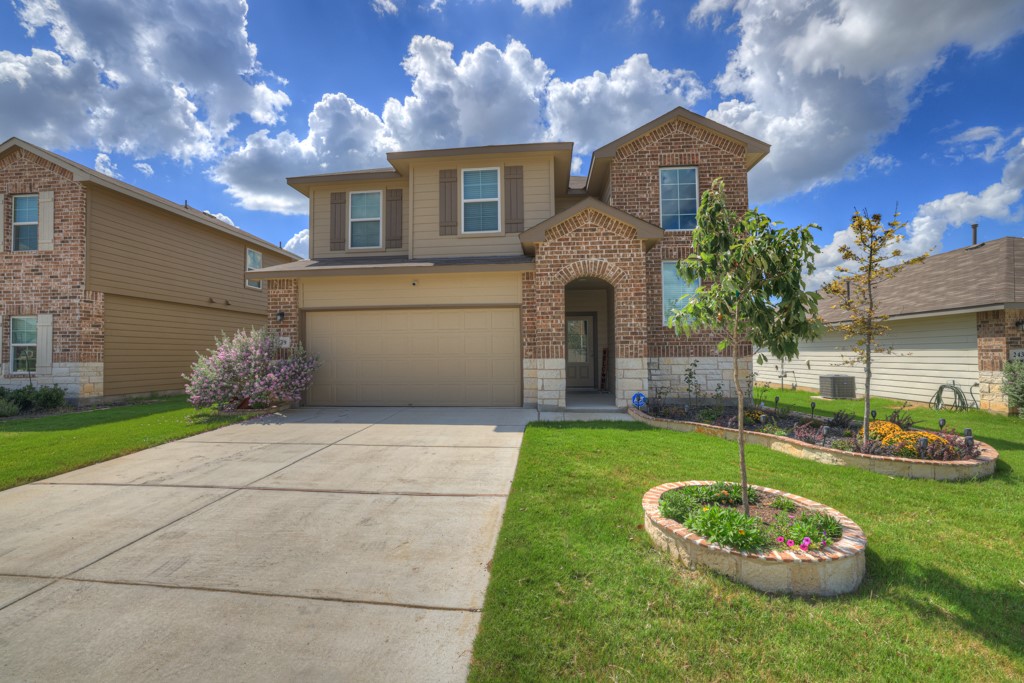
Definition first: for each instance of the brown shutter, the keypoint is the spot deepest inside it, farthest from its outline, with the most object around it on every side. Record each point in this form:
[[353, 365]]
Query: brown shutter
[[448, 206], [339, 219], [393, 232], [514, 208]]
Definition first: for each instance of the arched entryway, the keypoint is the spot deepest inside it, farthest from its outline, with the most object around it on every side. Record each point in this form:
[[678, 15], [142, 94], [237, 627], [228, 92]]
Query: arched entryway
[[589, 343]]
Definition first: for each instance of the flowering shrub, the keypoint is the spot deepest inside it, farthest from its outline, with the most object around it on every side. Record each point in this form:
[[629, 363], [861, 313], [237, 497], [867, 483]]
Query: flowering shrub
[[728, 526], [887, 438], [250, 370], [808, 433]]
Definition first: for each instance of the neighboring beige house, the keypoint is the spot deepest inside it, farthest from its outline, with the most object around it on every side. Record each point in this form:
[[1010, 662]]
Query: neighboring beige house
[[491, 276], [957, 316], [108, 290]]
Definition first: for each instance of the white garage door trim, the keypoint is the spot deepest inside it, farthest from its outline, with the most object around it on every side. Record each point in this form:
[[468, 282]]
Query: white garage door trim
[[416, 355]]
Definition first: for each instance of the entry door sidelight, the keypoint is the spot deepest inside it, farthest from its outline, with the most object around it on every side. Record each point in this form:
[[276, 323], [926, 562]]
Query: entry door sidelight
[[579, 350]]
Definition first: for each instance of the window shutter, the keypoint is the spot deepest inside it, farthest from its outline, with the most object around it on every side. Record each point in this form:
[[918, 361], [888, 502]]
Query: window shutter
[[44, 343], [46, 221], [339, 220], [514, 202], [3, 231], [448, 205], [393, 231]]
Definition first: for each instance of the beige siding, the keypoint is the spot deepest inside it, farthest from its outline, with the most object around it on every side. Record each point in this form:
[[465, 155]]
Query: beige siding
[[138, 250], [421, 357], [320, 216], [927, 352], [537, 194], [149, 344], [399, 290]]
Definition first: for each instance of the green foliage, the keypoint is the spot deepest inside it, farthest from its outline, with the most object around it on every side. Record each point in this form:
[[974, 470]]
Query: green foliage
[[1013, 383], [750, 272], [30, 397], [784, 504], [8, 408], [901, 417], [775, 429], [677, 504], [844, 444], [708, 414], [842, 420], [728, 526]]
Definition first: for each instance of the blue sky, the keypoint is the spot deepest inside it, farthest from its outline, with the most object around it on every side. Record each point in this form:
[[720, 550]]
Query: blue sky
[[867, 103]]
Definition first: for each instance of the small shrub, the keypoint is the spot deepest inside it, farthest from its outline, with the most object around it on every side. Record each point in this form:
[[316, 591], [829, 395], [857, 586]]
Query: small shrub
[[901, 418], [784, 504], [677, 504], [708, 414], [807, 432], [842, 420], [775, 429], [49, 398], [809, 531], [1013, 383], [844, 444], [728, 527], [250, 369], [8, 408]]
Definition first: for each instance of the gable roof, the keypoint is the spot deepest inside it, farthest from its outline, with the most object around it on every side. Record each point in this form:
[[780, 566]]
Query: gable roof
[[986, 276], [600, 160], [84, 174], [644, 231]]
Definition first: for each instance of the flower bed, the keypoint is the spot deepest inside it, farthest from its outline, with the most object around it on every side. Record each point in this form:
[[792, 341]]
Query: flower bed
[[982, 465], [831, 563]]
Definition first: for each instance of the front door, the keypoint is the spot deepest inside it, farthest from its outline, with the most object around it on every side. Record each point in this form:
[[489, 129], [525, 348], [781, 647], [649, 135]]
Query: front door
[[579, 348]]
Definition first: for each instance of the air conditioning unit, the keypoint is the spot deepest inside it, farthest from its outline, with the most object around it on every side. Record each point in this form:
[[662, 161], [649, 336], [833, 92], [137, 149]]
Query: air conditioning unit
[[837, 386]]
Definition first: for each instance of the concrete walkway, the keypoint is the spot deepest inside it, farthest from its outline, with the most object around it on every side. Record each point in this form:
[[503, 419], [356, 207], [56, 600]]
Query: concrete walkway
[[319, 544]]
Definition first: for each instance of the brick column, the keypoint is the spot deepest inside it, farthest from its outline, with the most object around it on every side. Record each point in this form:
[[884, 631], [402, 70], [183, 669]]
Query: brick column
[[283, 296], [997, 334]]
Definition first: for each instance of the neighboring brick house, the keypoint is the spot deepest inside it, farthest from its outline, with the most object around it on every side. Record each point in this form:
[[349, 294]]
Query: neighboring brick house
[[491, 276], [108, 290], [955, 317]]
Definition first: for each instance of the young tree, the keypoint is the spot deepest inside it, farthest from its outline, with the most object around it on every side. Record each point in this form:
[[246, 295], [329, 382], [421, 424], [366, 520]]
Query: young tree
[[751, 288], [874, 257]]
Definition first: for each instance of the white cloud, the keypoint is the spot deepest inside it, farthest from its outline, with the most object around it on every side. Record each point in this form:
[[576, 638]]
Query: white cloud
[[144, 168], [635, 7], [543, 6], [979, 142], [998, 201], [224, 218], [383, 7], [488, 95], [299, 243], [599, 108], [140, 78], [103, 164], [825, 81]]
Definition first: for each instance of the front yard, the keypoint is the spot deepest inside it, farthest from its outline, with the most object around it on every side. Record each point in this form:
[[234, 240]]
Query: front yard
[[37, 448], [578, 591]]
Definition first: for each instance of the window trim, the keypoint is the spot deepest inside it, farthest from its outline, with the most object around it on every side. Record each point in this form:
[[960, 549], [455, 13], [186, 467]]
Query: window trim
[[253, 284], [463, 201], [696, 185], [379, 219], [18, 346], [664, 312], [15, 225]]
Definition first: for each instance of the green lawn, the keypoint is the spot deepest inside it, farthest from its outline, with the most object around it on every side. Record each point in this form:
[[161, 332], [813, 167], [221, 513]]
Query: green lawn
[[36, 448], [579, 593]]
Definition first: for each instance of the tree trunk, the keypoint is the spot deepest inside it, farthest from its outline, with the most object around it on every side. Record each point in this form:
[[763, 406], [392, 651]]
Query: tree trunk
[[739, 411], [867, 392]]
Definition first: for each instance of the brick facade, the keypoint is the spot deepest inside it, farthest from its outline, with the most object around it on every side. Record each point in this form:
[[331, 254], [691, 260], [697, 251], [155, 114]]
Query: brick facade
[[283, 296], [997, 335], [37, 282]]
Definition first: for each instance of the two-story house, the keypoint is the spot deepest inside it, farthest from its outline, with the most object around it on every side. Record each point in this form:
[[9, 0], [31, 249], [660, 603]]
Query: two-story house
[[490, 276], [108, 290]]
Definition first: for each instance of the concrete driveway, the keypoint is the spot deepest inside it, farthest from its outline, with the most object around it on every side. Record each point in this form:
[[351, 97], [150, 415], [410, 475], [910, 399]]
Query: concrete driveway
[[318, 544]]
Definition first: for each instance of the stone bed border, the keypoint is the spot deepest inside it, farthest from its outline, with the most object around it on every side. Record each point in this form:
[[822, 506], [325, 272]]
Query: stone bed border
[[909, 468], [837, 570]]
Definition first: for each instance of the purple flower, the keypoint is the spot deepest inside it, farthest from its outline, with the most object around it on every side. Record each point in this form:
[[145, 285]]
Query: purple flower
[[780, 539], [790, 543]]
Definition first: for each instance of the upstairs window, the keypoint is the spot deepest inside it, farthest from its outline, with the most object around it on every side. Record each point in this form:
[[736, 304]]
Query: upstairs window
[[24, 341], [480, 200], [674, 290], [679, 198], [26, 222], [364, 221], [253, 261]]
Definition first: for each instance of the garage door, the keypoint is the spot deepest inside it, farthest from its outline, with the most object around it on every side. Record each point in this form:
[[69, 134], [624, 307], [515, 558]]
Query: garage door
[[418, 357]]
